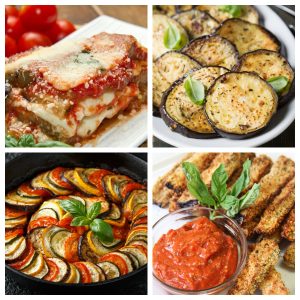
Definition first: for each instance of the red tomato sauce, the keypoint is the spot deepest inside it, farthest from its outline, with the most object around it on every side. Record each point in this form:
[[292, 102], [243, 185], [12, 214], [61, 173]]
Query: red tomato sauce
[[196, 256]]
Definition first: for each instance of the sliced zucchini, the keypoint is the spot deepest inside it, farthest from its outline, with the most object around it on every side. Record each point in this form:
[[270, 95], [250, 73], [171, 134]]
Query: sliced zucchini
[[38, 268], [15, 222], [267, 64], [63, 267], [105, 205], [26, 259], [26, 190], [84, 250], [39, 183], [114, 213], [132, 200], [110, 269], [74, 275], [239, 105], [181, 114], [15, 248], [136, 252], [138, 243], [36, 238], [121, 260], [55, 178], [168, 68], [213, 51], [57, 242], [23, 203], [97, 274], [44, 212], [161, 23], [247, 36], [54, 204], [247, 13], [196, 23]]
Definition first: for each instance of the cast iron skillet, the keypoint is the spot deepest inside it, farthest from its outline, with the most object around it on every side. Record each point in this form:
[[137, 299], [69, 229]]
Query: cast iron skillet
[[28, 165]]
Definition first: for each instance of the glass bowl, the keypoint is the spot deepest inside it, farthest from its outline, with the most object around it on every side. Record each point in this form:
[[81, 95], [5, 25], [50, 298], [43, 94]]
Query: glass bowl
[[178, 218]]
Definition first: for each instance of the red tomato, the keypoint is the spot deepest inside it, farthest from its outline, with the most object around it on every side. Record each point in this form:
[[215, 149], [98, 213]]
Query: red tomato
[[38, 17], [14, 27], [10, 46], [10, 10], [32, 39], [60, 29]]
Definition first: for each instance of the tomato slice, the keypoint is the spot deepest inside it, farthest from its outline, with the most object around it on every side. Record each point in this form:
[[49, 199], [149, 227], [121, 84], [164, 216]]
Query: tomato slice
[[84, 272], [130, 187], [65, 223], [28, 190], [53, 270], [96, 178], [41, 222], [142, 220], [57, 176], [71, 248], [120, 233], [14, 213], [11, 233], [117, 260], [25, 258]]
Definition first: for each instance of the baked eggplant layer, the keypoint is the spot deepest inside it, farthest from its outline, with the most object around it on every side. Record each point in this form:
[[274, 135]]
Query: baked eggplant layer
[[168, 68], [247, 36], [180, 113], [213, 51], [196, 23], [240, 103], [160, 24], [267, 64], [248, 13]]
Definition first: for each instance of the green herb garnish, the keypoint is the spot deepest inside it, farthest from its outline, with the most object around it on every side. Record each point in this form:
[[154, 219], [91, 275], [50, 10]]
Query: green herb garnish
[[219, 195], [278, 83], [195, 90], [234, 10], [174, 39], [27, 140], [88, 217]]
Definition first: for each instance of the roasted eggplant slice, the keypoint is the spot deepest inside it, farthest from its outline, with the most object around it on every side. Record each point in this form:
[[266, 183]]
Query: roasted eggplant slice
[[268, 64], [213, 51], [15, 248], [110, 269], [196, 23], [85, 252], [58, 240], [168, 68], [74, 276], [248, 37], [220, 13], [239, 105], [20, 202], [136, 252], [161, 23], [181, 114], [115, 213]]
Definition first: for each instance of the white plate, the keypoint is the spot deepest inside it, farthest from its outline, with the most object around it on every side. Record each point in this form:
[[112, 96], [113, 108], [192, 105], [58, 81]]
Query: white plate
[[281, 121], [131, 132], [163, 163]]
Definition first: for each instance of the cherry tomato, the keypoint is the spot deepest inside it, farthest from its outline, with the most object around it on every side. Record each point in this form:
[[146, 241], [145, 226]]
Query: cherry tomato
[[10, 10], [10, 46], [38, 17], [32, 39], [60, 29], [14, 27]]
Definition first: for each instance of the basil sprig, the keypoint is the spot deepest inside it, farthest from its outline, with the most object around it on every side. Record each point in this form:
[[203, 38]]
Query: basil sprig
[[27, 140], [174, 39], [234, 10], [195, 90], [278, 83], [88, 217], [219, 196]]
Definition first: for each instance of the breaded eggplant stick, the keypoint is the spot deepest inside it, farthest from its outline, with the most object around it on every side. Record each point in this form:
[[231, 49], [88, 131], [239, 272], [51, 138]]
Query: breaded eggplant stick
[[279, 208], [264, 256], [289, 256], [232, 163], [249, 228], [288, 228], [281, 172], [273, 284]]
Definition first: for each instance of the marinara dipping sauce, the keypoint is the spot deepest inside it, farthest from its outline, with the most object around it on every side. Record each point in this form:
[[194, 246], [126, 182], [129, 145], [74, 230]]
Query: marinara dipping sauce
[[197, 256]]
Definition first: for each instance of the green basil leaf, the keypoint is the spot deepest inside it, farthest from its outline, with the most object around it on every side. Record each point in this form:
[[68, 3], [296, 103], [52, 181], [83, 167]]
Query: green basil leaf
[[26, 140], [80, 221], [94, 210], [229, 202], [51, 144], [234, 10], [174, 39], [243, 181], [102, 230], [195, 90], [278, 83], [218, 183], [196, 186], [10, 141], [74, 207], [249, 197]]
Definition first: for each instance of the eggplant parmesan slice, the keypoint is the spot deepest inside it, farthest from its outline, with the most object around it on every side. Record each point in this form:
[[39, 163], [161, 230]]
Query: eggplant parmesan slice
[[180, 113], [239, 105], [161, 24], [168, 68], [247, 36], [196, 23], [268, 64], [110, 269], [213, 50]]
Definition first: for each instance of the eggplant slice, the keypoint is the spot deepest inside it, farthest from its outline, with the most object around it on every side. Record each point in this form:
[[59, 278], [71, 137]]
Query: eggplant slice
[[248, 13], [213, 51], [160, 24], [248, 37], [196, 23], [168, 68], [181, 114], [239, 105], [268, 64]]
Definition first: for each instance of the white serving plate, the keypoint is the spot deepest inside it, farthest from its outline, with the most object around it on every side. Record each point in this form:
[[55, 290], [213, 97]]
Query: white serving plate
[[131, 132], [280, 122], [162, 163]]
